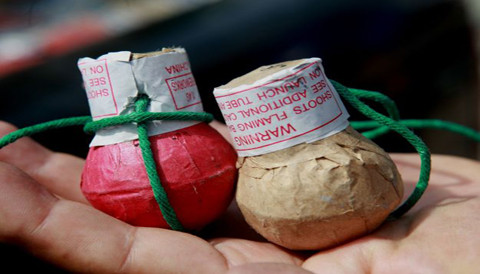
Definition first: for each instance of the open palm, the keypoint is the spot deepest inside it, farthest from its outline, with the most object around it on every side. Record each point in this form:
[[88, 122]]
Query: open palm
[[43, 210]]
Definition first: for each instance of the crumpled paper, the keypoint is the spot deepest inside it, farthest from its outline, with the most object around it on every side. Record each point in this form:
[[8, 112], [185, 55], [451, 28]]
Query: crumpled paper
[[196, 167], [317, 195]]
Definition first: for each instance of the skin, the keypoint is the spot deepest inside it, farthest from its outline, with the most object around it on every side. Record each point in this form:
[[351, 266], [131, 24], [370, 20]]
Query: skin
[[48, 216]]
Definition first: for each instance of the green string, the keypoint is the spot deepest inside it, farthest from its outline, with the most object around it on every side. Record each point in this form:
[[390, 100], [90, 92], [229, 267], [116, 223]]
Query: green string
[[158, 191], [140, 117], [32, 130], [414, 123], [379, 125], [378, 97], [415, 141]]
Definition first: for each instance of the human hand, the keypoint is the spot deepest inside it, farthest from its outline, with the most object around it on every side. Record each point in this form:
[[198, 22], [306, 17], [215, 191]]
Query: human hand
[[42, 209]]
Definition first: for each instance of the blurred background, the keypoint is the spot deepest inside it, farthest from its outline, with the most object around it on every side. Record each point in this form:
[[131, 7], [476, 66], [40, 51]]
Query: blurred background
[[423, 54]]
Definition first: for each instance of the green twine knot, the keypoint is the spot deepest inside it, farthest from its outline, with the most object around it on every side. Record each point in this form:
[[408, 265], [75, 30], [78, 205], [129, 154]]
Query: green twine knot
[[142, 117]]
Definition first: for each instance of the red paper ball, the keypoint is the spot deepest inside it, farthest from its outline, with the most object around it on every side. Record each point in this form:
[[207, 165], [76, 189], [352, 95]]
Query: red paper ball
[[196, 166]]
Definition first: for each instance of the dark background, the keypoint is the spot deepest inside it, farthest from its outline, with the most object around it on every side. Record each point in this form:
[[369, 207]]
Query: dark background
[[420, 54]]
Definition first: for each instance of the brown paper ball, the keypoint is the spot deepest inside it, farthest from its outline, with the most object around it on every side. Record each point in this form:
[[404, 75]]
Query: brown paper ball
[[317, 195]]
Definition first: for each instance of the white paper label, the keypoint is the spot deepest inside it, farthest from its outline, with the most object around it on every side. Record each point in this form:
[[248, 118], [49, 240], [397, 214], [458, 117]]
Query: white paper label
[[290, 107], [113, 82]]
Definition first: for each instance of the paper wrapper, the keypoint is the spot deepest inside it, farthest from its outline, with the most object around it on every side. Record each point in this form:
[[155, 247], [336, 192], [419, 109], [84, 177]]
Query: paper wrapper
[[114, 81], [279, 106], [321, 194]]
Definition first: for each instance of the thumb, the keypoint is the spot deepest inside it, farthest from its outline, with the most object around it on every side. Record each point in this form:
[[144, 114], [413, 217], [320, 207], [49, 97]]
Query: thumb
[[77, 237]]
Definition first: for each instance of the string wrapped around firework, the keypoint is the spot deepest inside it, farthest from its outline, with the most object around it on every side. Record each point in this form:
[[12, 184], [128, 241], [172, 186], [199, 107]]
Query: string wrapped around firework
[[163, 173]]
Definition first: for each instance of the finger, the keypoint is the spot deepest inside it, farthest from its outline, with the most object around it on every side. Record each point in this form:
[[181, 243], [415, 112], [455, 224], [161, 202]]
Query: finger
[[58, 172], [81, 239]]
